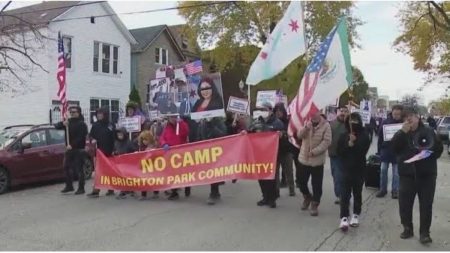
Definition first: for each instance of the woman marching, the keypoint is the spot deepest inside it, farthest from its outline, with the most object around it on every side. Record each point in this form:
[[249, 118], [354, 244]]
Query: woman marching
[[352, 149]]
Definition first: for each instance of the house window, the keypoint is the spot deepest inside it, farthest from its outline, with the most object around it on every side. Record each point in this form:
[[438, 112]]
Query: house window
[[162, 56], [96, 45], [115, 59], [106, 56], [108, 64], [67, 41], [111, 104]]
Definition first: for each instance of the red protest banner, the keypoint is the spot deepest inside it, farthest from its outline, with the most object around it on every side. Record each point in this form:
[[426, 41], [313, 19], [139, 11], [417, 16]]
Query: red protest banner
[[247, 156]]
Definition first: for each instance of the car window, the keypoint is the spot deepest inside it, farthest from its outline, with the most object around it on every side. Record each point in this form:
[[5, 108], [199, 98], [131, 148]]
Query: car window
[[446, 120], [56, 137], [36, 138]]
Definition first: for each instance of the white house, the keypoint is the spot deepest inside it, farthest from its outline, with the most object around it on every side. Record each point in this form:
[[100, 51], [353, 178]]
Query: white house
[[98, 49]]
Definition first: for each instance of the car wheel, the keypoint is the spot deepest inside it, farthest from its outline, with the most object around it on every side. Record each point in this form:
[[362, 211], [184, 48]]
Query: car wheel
[[88, 168], [4, 180]]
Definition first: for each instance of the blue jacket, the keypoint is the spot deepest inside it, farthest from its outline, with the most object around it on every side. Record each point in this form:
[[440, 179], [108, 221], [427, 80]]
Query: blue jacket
[[385, 147]]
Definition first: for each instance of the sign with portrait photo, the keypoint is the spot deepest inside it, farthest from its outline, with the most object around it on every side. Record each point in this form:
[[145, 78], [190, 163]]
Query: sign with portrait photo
[[206, 96], [168, 97]]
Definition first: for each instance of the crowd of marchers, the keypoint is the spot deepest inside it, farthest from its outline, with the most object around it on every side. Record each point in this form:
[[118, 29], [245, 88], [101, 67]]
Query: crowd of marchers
[[346, 141]]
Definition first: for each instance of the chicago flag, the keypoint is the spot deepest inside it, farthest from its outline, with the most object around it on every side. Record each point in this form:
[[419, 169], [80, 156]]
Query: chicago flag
[[325, 79], [285, 43]]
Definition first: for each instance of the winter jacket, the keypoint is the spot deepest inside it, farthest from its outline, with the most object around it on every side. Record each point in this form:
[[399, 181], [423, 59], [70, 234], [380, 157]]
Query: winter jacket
[[317, 140], [169, 135], [103, 132], [404, 149], [124, 146], [270, 125], [385, 147], [208, 129], [353, 158], [77, 132], [337, 129]]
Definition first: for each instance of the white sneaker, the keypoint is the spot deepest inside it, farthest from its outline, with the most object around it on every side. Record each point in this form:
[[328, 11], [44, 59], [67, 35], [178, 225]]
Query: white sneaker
[[354, 222], [344, 224]]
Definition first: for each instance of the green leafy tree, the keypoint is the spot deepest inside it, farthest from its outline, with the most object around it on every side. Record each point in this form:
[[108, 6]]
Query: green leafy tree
[[426, 37], [233, 29], [134, 96], [358, 88]]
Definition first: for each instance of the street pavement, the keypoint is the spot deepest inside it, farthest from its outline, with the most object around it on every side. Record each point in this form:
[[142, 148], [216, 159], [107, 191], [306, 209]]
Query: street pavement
[[41, 218]]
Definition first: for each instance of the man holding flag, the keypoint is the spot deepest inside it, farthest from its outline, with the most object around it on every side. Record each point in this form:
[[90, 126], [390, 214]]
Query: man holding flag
[[326, 78], [75, 128]]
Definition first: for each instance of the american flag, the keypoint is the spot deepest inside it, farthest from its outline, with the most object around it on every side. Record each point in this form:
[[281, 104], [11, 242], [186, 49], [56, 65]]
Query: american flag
[[61, 76], [302, 106], [194, 67]]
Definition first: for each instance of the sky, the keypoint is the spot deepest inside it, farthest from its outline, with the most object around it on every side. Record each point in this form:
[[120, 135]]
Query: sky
[[392, 73]]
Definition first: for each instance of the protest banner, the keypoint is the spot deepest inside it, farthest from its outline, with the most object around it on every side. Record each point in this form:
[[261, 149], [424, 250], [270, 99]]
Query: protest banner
[[237, 105], [131, 124], [241, 156], [264, 96], [208, 102], [390, 130]]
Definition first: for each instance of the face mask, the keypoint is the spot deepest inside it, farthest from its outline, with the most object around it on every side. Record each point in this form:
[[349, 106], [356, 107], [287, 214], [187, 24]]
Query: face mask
[[264, 114]]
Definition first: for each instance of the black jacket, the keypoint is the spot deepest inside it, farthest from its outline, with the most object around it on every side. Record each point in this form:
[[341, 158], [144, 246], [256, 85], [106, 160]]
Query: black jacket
[[272, 124], [404, 149], [77, 132], [206, 130], [103, 133], [353, 158], [124, 146]]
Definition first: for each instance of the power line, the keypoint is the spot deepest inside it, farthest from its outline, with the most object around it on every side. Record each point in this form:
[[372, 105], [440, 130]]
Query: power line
[[6, 6], [57, 8], [147, 11]]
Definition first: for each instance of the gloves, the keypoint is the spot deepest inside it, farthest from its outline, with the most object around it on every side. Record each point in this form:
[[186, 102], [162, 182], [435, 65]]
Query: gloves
[[166, 147]]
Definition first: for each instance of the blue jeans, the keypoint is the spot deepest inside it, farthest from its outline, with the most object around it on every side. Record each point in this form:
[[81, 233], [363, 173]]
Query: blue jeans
[[336, 172], [384, 177]]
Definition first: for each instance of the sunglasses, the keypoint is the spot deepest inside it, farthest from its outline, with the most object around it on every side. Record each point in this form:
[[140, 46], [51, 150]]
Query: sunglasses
[[73, 112]]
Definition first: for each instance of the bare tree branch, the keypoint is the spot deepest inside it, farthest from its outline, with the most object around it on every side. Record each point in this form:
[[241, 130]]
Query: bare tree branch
[[442, 12], [24, 53]]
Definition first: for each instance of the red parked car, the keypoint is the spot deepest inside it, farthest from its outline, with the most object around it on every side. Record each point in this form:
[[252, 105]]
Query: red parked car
[[34, 153]]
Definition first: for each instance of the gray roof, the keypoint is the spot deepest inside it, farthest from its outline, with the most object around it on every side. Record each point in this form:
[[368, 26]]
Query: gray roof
[[37, 14], [145, 36]]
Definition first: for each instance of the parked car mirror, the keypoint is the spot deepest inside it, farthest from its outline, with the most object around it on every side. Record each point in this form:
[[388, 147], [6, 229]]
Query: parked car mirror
[[24, 146]]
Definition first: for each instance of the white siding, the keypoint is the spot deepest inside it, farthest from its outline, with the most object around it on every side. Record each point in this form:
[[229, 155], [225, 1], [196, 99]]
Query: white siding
[[83, 83]]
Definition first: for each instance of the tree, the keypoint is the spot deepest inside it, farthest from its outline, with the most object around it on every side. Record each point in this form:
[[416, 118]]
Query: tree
[[228, 26], [358, 89], [234, 29], [410, 100], [134, 96], [426, 37], [20, 40]]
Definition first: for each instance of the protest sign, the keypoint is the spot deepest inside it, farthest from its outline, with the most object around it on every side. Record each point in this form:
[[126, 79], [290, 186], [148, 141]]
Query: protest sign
[[200, 163], [264, 96], [365, 115], [237, 105], [131, 124], [207, 97], [168, 97], [390, 130], [257, 114]]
